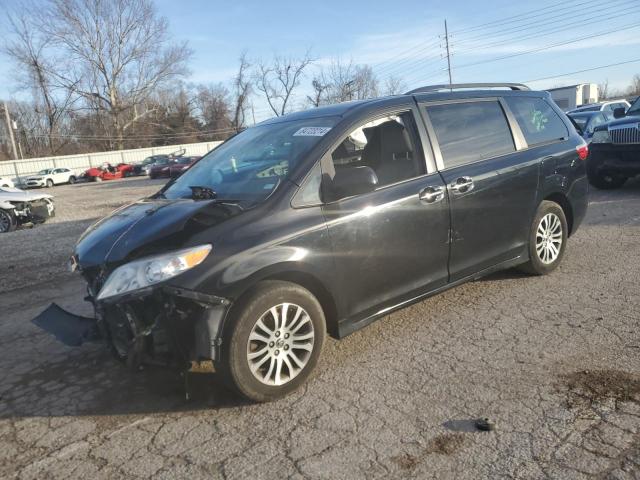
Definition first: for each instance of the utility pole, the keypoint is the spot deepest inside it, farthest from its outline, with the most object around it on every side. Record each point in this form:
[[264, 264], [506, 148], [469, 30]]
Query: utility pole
[[446, 38], [10, 129]]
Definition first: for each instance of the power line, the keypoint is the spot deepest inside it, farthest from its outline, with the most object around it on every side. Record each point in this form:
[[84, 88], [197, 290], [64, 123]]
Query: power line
[[547, 47], [546, 32], [636, 60], [528, 15]]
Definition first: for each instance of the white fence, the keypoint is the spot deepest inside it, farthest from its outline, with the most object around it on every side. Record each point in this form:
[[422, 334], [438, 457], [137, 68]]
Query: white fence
[[78, 163]]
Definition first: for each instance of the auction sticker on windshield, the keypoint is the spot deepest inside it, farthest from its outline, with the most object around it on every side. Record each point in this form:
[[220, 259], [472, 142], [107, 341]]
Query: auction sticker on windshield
[[311, 131]]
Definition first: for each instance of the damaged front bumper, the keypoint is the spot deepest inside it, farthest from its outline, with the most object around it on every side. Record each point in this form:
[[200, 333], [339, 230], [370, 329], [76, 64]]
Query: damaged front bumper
[[161, 325]]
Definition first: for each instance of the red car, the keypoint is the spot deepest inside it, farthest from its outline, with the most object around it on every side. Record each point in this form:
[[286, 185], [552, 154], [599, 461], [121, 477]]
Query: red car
[[182, 163], [108, 172]]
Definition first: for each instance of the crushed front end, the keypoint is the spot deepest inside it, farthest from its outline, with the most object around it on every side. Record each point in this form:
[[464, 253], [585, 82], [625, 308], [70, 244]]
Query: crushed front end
[[159, 325]]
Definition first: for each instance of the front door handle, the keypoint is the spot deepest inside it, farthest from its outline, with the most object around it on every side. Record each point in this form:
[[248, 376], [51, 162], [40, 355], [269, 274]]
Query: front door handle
[[462, 185], [431, 194]]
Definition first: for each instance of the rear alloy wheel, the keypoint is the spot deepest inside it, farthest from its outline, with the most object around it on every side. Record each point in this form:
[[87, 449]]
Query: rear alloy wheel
[[274, 341], [49, 183], [547, 240], [72, 180], [7, 221]]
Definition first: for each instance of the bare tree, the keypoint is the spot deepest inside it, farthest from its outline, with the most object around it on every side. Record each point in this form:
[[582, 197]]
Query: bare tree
[[342, 82], [29, 50], [634, 89], [603, 90], [212, 103], [394, 86], [278, 80], [319, 88], [241, 91], [118, 55]]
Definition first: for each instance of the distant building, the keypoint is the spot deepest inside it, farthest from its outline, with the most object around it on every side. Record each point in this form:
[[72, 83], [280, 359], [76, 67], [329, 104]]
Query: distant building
[[574, 96]]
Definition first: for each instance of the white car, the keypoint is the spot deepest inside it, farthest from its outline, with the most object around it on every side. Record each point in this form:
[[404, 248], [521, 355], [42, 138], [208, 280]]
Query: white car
[[18, 207], [50, 177], [6, 182], [602, 106]]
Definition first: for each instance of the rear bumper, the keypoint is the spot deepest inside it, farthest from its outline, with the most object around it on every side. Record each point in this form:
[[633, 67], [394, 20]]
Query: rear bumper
[[578, 197]]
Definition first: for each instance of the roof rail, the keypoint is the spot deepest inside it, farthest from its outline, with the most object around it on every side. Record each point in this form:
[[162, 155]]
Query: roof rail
[[456, 86]]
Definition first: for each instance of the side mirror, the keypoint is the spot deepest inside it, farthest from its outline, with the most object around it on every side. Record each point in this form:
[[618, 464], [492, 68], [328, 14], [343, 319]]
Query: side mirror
[[352, 181], [619, 112]]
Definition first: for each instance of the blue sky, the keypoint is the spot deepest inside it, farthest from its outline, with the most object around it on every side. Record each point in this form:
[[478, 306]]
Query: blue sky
[[401, 38]]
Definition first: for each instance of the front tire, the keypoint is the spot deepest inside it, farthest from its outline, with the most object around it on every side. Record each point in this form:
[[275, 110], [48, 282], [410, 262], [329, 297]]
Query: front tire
[[273, 341], [547, 239], [49, 183], [603, 179], [8, 221]]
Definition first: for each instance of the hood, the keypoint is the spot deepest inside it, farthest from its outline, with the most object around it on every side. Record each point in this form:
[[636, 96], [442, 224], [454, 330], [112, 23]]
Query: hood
[[148, 225], [17, 195], [634, 119]]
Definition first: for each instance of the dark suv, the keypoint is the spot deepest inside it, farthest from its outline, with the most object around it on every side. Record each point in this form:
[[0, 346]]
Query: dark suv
[[615, 149], [328, 219]]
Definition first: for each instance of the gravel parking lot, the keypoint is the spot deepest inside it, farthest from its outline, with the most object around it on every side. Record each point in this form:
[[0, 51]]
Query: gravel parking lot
[[554, 361]]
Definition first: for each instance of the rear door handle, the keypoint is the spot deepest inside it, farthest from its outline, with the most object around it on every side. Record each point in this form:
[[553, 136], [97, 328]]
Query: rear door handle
[[462, 185], [431, 194]]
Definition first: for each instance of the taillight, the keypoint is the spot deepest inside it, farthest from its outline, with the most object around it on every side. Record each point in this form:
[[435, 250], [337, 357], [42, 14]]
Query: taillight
[[583, 151]]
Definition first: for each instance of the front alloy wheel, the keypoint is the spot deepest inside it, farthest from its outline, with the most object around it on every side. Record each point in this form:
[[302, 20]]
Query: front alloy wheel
[[272, 340], [549, 238], [280, 344]]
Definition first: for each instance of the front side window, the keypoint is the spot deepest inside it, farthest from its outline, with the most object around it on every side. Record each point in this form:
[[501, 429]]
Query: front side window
[[470, 131], [249, 166], [538, 121], [388, 145]]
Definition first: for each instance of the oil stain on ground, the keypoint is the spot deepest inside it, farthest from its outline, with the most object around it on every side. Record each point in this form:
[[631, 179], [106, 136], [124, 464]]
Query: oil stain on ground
[[443, 444], [597, 386]]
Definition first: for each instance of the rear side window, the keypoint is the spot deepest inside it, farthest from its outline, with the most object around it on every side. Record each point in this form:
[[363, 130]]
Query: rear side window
[[538, 121], [471, 131]]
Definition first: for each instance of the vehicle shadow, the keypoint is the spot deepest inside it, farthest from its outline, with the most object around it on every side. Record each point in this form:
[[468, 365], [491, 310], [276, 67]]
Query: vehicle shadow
[[92, 383]]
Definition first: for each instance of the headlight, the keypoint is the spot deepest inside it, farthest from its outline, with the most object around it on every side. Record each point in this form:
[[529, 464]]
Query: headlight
[[601, 136], [151, 270]]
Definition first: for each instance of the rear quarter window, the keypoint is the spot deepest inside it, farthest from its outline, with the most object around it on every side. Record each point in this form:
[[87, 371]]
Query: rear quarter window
[[539, 122]]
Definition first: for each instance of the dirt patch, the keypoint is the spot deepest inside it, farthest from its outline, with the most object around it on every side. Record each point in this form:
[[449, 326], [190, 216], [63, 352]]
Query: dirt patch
[[598, 386], [443, 444], [406, 461]]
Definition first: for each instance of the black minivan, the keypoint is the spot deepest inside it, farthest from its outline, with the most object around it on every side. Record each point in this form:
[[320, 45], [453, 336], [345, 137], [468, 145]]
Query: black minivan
[[325, 220]]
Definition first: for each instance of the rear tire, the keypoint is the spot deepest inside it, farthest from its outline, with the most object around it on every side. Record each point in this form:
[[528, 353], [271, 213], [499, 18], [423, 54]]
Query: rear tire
[[72, 180], [290, 340], [8, 221], [547, 239]]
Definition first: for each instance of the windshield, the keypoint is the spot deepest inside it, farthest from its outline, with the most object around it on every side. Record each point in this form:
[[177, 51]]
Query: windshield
[[581, 120], [249, 166], [635, 108], [45, 172]]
